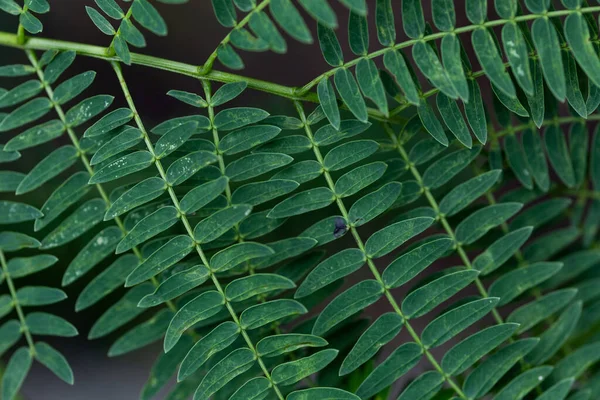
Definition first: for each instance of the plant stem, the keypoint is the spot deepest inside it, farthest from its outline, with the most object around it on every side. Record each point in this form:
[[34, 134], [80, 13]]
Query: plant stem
[[370, 262], [117, 68], [207, 67], [15, 300]]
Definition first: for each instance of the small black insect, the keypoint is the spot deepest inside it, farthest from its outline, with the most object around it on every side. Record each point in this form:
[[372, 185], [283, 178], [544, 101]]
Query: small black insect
[[340, 227]]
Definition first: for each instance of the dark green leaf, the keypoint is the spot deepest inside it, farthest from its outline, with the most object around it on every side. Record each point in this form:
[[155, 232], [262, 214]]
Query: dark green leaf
[[393, 236]]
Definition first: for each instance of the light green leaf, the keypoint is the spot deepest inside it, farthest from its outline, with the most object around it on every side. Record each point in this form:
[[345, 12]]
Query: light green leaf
[[517, 53], [487, 55], [10, 332], [395, 63], [321, 11], [170, 253], [328, 100], [385, 374], [173, 139], [200, 308], [449, 324], [16, 370], [481, 221], [87, 110], [234, 118], [294, 371], [141, 193], [428, 62], [54, 164], [40, 323], [30, 22], [290, 20], [382, 331], [350, 94], [389, 238], [23, 92], [100, 22], [272, 346], [255, 389], [371, 85], [123, 166], [110, 8], [185, 167], [12, 212], [271, 311], [355, 299], [213, 342], [71, 88], [148, 227], [322, 393], [452, 58], [237, 254], [220, 222], [189, 98], [23, 266], [39, 134], [11, 7], [39, 296], [148, 17], [254, 285], [28, 112], [110, 121], [13, 241]]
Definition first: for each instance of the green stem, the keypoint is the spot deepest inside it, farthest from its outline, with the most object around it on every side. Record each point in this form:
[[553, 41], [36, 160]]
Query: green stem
[[439, 35], [83, 157], [15, 300], [190, 232], [442, 218], [207, 67], [370, 263]]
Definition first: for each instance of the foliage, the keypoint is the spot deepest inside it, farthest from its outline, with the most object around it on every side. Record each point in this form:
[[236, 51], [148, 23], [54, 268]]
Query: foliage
[[233, 230]]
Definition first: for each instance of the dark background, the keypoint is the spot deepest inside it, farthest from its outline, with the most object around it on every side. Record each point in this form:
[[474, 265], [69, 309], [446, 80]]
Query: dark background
[[193, 34]]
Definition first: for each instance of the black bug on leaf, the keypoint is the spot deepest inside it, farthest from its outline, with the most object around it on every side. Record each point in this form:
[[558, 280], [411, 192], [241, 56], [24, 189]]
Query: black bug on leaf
[[340, 227]]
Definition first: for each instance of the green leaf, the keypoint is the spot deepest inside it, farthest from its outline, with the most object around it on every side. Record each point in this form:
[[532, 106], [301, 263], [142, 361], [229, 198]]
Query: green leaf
[[574, 364], [141, 335], [148, 17], [170, 253], [287, 145], [220, 222], [234, 118], [328, 100], [475, 112], [354, 181], [12, 212], [445, 168], [578, 37], [322, 393], [39, 296], [452, 58], [547, 46], [189, 98], [444, 16], [26, 113], [355, 299], [350, 94], [261, 192], [321, 11], [87, 110], [428, 62], [470, 350], [425, 298], [493, 66], [349, 153], [59, 64], [200, 308], [173, 139], [424, 387], [246, 138], [395, 63], [101, 246], [481, 221], [40, 323], [13, 241], [254, 285], [413, 22], [303, 202], [501, 250], [141, 193], [490, 371], [385, 374], [540, 213], [216, 340], [80, 221], [272, 346], [229, 57], [10, 332], [579, 150], [290, 20], [54, 164], [185, 167], [371, 85], [16, 70], [24, 266], [330, 46], [110, 121], [100, 22], [536, 159], [176, 285], [328, 134], [294, 371], [71, 88], [225, 12], [517, 161], [465, 193], [235, 363], [168, 125], [11, 7], [254, 165], [389, 238], [372, 205], [148, 227], [559, 391], [30, 23], [201, 195], [536, 311], [16, 370], [23, 92], [524, 383], [326, 230], [271, 311], [559, 156], [39, 134], [237, 254], [227, 93], [335, 267], [382, 331], [454, 120], [449, 324], [126, 165], [10, 180], [256, 389], [106, 282], [110, 8], [517, 53], [301, 172], [410, 264], [554, 337]]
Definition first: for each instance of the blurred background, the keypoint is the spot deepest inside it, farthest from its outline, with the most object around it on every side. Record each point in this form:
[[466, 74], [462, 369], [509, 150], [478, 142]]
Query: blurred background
[[193, 34]]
